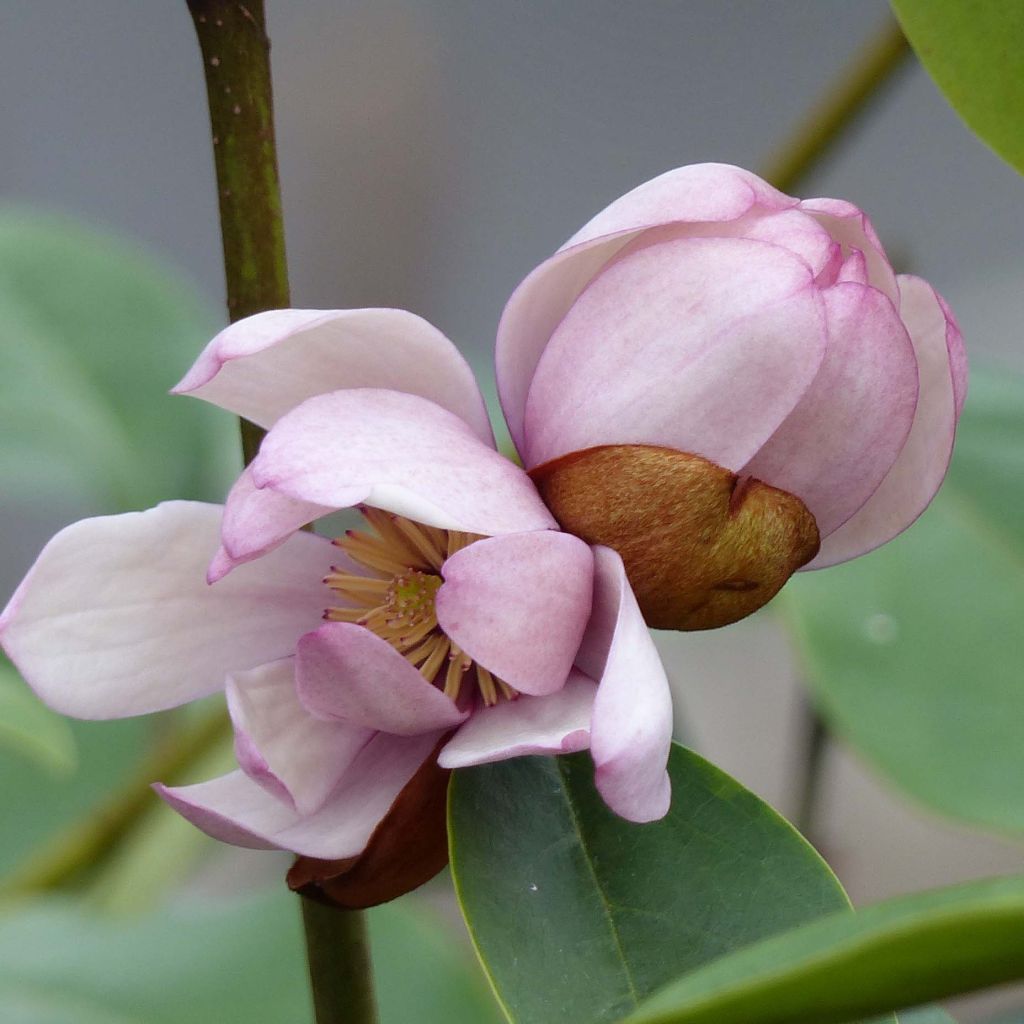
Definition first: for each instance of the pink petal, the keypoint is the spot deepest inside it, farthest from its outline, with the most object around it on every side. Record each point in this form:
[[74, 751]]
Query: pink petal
[[116, 618], [280, 745], [348, 674], [257, 521], [702, 344], [843, 437], [631, 731], [393, 451], [698, 193], [921, 465], [518, 605], [234, 809], [851, 226], [556, 724], [265, 365]]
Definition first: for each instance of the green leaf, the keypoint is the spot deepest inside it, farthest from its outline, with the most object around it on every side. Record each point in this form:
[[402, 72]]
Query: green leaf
[[228, 962], [29, 728], [92, 334], [851, 964], [578, 915], [975, 53], [915, 651]]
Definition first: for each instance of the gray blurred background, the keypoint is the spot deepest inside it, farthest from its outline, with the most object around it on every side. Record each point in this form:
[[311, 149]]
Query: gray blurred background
[[433, 152]]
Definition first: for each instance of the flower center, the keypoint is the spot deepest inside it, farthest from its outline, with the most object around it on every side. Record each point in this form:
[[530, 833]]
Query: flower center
[[393, 595]]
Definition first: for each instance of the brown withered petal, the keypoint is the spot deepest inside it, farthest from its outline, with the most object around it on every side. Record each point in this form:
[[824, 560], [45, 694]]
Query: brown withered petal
[[408, 847], [701, 546]]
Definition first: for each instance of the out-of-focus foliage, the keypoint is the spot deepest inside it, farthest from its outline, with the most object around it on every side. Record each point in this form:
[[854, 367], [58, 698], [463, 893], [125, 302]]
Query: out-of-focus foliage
[[916, 652], [975, 52], [579, 915], [901, 952], [61, 963], [30, 728], [92, 335]]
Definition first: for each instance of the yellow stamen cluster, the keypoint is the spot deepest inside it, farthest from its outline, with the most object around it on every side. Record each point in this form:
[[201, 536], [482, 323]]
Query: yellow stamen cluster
[[395, 599]]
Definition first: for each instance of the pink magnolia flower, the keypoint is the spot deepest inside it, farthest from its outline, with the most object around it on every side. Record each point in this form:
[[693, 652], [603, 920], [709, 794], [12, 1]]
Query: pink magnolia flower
[[706, 313], [706, 383]]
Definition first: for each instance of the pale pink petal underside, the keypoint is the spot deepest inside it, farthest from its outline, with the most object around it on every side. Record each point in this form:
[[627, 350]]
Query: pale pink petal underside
[[234, 809], [518, 605], [921, 464], [116, 618], [280, 745], [265, 365], [556, 724], [840, 441], [631, 731]]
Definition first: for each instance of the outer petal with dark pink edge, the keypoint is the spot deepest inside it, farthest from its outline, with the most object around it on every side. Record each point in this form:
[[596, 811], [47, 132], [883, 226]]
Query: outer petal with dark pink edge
[[397, 452], [115, 618], [280, 745], [556, 724], [347, 674], [700, 344], [698, 193], [518, 605], [921, 465], [631, 730], [843, 437], [265, 365], [237, 810]]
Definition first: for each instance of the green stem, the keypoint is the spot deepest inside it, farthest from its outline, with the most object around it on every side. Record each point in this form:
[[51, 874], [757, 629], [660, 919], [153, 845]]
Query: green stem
[[236, 62], [847, 99], [337, 948]]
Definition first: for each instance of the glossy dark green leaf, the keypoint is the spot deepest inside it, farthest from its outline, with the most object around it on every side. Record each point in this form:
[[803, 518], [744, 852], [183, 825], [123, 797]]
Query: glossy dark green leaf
[[93, 332], [975, 53], [578, 915], [906, 951], [915, 652]]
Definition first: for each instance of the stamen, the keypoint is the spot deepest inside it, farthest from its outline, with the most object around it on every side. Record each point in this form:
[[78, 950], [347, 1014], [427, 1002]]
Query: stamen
[[395, 598]]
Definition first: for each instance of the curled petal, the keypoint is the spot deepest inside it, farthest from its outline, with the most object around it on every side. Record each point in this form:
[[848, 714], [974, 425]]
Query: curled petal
[[843, 437], [116, 618], [265, 365], [394, 451], [518, 605], [234, 809], [556, 724], [348, 674], [704, 345], [280, 745], [850, 226], [700, 193], [918, 471], [631, 729]]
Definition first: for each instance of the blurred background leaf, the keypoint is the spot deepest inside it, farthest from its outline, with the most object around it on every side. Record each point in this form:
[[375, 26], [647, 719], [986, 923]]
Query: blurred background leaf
[[975, 52], [226, 961], [29, 728], [93, 333], [915, 652]]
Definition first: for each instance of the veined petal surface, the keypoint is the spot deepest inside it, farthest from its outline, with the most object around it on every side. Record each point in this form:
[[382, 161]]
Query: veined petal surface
[[116, 617]]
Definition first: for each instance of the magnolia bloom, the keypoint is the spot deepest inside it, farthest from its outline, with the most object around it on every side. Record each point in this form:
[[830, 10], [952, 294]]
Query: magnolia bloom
[[711, 385], [460, 620], [724, 384]]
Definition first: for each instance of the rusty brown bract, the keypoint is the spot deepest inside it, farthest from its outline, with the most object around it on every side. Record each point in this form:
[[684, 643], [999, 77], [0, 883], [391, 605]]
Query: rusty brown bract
[[702, 548]]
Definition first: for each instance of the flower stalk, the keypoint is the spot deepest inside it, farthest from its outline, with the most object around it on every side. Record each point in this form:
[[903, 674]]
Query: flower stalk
[[235, 49]]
